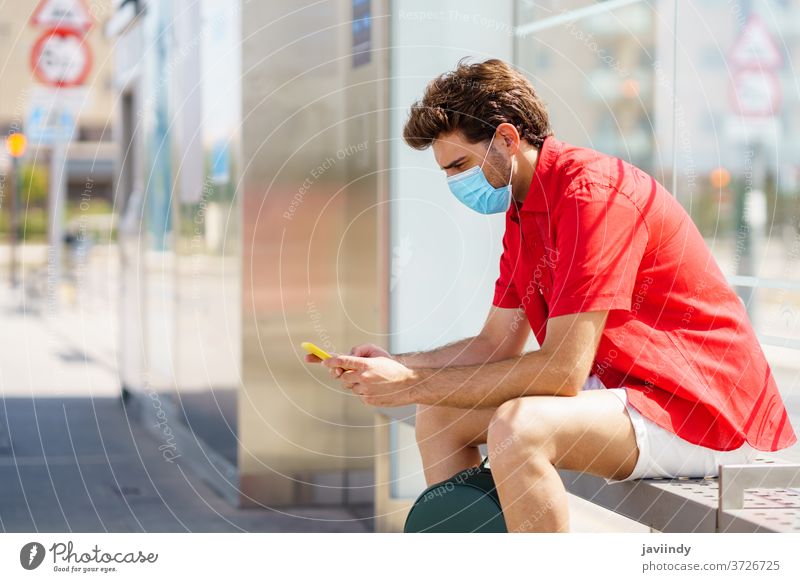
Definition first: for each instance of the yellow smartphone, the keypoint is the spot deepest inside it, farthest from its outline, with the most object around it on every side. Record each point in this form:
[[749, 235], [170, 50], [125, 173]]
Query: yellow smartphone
[[317, 351]]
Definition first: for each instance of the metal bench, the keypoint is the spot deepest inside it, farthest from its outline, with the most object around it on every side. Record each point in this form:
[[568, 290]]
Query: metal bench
[[759, 497]]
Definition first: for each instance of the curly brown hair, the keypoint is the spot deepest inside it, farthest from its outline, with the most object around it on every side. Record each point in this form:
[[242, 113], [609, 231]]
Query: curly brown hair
[[475, 99]]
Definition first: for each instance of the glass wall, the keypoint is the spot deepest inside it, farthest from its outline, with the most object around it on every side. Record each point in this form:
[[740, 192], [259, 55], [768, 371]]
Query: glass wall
[[157, 250], [594, 68], [712, 113], [256, 190], [206, 112], [177, 73]]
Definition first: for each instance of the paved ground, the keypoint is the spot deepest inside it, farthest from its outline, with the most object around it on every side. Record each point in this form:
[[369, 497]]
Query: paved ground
[[72, 459], [80, 465]]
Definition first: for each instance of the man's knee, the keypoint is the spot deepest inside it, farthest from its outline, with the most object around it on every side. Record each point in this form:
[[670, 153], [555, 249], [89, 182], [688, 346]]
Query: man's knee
[[518, 428]]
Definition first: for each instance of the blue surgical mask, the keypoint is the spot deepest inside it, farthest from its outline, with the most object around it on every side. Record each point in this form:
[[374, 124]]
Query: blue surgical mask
[[473, 189]]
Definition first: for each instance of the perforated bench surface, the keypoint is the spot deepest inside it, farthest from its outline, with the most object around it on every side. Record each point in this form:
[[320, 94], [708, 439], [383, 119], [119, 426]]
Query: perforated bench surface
[[691, 505]]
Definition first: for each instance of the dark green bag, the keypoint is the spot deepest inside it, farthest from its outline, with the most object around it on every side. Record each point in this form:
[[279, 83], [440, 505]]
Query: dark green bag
[[466, 502]]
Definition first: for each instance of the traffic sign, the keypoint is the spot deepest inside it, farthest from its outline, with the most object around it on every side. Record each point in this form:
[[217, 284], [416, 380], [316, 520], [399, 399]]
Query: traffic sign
[[61, 58], [70, 14], [755, 47], [757, 93], [46, 125], [75, 99]]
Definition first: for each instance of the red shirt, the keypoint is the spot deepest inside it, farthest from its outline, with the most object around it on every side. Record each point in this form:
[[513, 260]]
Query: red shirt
[[596, 233]]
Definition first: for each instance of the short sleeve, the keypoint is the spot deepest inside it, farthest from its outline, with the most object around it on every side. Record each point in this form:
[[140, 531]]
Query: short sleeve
[[600, 241], [505, 293]]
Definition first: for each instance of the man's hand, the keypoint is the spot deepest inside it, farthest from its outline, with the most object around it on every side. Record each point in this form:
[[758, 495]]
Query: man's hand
[[378, 381]]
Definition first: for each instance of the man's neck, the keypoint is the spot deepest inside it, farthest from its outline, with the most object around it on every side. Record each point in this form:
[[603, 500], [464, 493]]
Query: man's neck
[[527, 159]]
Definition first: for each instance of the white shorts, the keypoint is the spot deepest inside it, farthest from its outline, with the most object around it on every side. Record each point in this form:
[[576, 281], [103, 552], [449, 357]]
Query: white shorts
[[665, 454]]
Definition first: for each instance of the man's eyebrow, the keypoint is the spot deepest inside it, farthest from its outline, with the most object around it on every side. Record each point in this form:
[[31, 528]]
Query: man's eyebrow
[[455, 163]]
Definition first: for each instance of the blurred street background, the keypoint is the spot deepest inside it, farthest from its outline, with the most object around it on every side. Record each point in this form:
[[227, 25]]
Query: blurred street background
[[190, 188]]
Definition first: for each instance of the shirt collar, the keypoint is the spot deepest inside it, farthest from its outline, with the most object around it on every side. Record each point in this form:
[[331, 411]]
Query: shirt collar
[[537, 198]]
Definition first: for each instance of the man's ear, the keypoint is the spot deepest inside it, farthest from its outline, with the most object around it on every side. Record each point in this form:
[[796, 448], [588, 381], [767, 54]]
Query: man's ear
[[510, 136]]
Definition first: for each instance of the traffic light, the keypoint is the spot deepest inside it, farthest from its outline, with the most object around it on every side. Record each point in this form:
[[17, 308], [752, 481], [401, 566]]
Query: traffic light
[[16, 144]]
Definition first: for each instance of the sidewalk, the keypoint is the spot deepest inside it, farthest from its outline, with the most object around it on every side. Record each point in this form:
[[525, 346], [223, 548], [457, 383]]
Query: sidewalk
[[72, 459], [78, 464]]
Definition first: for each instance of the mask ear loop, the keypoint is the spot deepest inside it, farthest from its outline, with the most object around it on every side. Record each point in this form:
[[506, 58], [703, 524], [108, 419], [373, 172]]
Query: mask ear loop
[[511, 199], [510, 175], [486, 155]]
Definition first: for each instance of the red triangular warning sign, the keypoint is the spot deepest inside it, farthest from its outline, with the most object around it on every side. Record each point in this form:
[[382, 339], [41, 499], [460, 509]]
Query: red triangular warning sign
[[69, 14], [755, 47]]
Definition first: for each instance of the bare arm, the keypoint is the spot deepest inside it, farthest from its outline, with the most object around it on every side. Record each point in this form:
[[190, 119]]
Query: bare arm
[[559, 368], [503, 336]]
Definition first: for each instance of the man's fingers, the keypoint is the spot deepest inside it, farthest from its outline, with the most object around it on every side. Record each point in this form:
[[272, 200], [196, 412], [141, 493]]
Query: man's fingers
[[368, 351], [348, 362], [361, 351], [312, 359], [351, 377]]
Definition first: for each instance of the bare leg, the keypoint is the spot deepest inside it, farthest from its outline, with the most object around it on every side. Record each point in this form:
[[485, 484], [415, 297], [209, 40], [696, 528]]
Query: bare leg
[[448, 439], [530, 437]]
